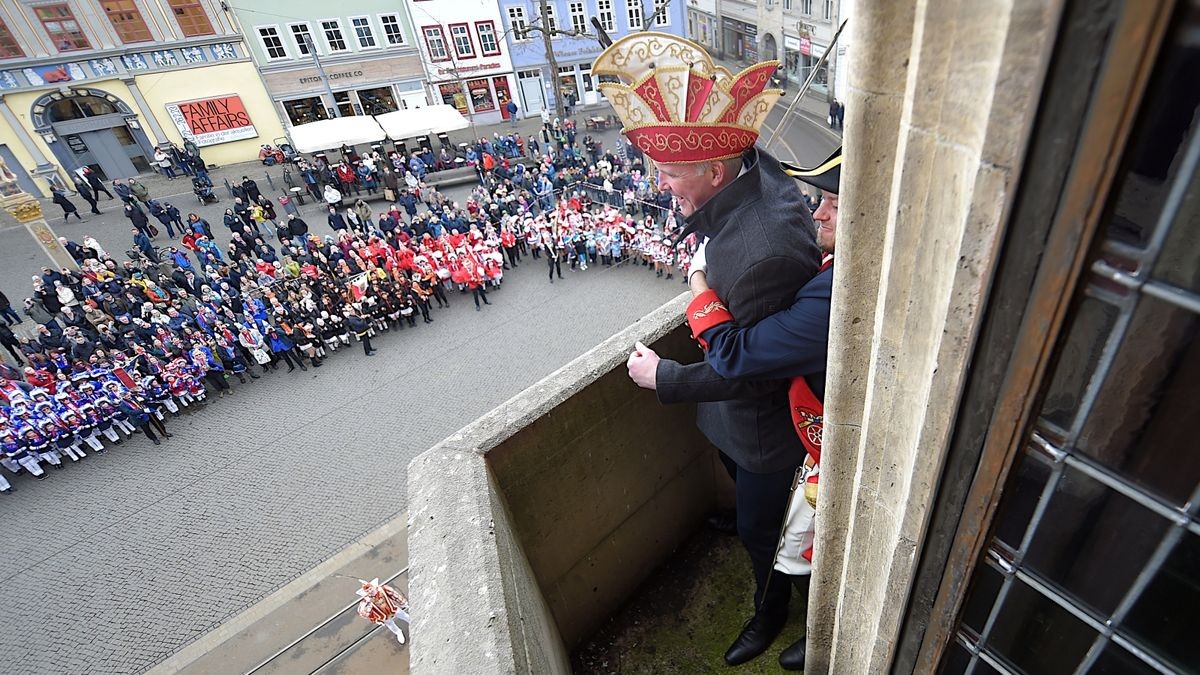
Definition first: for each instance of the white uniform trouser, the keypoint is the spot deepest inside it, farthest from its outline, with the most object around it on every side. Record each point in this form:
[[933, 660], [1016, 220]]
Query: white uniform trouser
[[4, 484], [799, 530], [31, 465], [390, 624]]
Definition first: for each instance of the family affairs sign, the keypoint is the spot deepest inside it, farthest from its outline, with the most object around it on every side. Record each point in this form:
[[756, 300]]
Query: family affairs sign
[[211, 121]]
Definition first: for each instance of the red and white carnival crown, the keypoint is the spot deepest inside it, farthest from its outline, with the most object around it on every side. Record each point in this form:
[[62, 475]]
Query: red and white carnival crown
[[678, 106]]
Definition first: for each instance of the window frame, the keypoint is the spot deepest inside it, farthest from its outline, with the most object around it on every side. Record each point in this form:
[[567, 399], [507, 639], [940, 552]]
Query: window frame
[[827, 11], [583, 15], [266, 48], [806, 7], [470, 41], [70, 17], [341, 36], [300, 50], [632, 10], [611, 24], [7, 35], [399, 27], [441, 35], [495, 37], [200, 12], [117, 26], [664, 19], [523, 34], [358, 38], [551, 17]]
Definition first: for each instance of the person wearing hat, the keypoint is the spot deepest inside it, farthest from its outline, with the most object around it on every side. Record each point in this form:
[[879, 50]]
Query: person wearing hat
[[761, 250]]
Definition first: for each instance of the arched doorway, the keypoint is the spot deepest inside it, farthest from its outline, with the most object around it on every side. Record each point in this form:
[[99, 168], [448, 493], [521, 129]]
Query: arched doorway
[[93, 128], [769, 51]]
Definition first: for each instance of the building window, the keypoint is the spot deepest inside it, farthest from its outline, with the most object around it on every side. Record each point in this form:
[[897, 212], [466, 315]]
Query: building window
[[364, 32], [635, 14], [435, 42], [127, 21], [487, 38], [272, 43], [305, 110], [481, 96], [578, 13], [333, 35], [377, 101], [393, 32], [662, 18], [806, 7], [604, 11], [828, 10], [191, 17], [61, 26], [9, 49], [464, 48], [517, 23], [551, 20], [301, 35], [787, 5], [452, 94]]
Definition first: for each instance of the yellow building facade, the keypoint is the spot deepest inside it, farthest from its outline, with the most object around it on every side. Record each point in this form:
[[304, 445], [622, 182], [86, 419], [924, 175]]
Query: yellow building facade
[[104, 85]]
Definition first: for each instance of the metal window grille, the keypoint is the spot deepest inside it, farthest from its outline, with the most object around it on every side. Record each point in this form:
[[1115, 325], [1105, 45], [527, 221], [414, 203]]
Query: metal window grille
[[1093, 563]]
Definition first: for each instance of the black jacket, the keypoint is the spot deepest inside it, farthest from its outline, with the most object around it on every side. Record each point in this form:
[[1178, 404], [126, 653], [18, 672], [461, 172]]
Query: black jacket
[[761, 250]]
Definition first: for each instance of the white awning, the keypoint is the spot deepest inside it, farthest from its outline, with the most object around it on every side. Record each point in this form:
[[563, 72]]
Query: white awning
[[333, 133], [434, 119]]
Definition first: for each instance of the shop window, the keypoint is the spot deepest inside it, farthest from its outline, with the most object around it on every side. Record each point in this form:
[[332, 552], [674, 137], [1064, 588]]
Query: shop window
[[345, 106], [271, 42], [568, 88], [517, 23], [61, 26], [452, 95], [9, 49], [301, 36], [488, 44], [634, 14], [377, 101], [464, 48], [578, 13], [604, 11], [364, 32], [393, 32], [332, 29], [435, 42], [127, 21], [481, 96], [305, 110]]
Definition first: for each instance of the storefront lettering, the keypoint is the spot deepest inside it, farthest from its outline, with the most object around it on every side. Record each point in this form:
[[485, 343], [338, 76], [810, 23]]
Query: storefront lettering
[[469, 69], [332, 76]]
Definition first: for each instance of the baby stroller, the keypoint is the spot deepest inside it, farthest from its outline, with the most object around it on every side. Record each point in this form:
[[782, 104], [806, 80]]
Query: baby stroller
[[203, 188]]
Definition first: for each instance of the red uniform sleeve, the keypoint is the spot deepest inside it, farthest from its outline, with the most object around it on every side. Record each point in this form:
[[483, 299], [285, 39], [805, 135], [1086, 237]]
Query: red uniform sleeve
[[705, 311]]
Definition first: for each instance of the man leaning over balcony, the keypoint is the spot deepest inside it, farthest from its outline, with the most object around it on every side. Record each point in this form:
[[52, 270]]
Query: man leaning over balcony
[[699, 124]]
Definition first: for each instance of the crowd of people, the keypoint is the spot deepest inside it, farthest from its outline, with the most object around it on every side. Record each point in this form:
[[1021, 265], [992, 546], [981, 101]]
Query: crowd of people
[[119, 345]]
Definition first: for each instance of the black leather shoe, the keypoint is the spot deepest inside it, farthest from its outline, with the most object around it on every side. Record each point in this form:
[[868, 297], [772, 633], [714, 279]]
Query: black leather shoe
[[792, 658], [756, 637], [724, 522]]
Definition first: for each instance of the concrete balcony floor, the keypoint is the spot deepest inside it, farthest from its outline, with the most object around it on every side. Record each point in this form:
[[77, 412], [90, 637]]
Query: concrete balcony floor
[[684, 617]]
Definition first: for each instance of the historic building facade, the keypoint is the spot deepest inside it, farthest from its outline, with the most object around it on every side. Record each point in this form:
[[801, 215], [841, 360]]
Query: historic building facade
[[103, 84], [537, 87], [369, 55]]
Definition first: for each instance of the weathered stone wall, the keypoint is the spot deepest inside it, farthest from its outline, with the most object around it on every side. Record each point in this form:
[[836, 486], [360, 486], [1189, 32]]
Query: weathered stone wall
[[942, 95], [533, 524]]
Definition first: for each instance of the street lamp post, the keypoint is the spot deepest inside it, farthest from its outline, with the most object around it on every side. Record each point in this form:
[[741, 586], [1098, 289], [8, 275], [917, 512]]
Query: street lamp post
[[312, 50]]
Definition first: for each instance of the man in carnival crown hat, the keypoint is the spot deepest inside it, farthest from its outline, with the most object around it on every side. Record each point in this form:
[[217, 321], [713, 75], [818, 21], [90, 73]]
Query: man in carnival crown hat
[[699, 123]]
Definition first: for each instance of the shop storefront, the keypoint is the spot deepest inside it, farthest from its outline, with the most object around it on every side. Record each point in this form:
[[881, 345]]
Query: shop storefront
[[801, 55], [484, 96], [575, 84], [369, 87], [741, 40]]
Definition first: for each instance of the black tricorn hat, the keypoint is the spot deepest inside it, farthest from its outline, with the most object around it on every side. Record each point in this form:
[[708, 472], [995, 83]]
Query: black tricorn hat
[[825, 176]]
